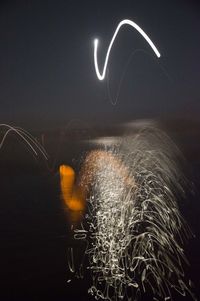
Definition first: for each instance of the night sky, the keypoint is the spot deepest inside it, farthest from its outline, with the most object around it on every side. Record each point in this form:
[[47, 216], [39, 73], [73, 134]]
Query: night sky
[[47, 75]]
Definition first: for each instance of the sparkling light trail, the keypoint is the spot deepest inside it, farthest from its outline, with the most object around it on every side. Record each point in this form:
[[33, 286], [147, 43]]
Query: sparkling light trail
[[100, 75], [135, 228]]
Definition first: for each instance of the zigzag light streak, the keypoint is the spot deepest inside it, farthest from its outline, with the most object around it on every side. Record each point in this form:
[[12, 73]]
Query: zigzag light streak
[[100, 75]]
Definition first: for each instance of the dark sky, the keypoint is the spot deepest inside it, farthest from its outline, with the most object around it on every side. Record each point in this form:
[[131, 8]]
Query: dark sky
[[47, 76]]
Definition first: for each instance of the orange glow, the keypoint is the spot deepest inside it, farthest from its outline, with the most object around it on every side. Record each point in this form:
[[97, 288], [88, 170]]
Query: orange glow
[[93, 162], [72, 196], [74, 193]]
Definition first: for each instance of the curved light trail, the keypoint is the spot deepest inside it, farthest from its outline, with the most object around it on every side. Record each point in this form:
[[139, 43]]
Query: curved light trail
[[24, 135], [100, 75]]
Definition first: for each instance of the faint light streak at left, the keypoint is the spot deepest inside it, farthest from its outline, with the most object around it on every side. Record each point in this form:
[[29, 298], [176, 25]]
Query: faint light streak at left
[[26, 137]]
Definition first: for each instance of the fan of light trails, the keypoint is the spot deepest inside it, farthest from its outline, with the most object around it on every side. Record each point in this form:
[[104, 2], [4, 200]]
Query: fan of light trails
[[136, 231], [100, 75]]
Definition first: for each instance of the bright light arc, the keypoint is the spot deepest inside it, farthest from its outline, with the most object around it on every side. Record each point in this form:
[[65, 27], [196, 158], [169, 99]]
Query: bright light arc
[[100, 75]]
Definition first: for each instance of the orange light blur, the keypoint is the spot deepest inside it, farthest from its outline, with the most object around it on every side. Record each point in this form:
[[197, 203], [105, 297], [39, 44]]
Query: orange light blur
[[71, 195]]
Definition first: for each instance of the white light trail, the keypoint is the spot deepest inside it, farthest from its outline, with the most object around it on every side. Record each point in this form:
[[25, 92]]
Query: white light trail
[[25, 136], [100, 75]]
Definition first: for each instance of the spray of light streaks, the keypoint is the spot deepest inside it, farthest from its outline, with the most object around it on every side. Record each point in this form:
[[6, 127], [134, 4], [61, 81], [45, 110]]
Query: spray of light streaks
[[101, 76], [135, 227], [25, 136]]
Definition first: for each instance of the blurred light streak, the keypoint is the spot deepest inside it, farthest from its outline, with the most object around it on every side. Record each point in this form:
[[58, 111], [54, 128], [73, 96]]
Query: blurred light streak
[[101, 76], [72, 196]]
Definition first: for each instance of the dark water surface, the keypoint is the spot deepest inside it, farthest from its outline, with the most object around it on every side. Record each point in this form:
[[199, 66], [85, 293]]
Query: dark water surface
[[35, 233]]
